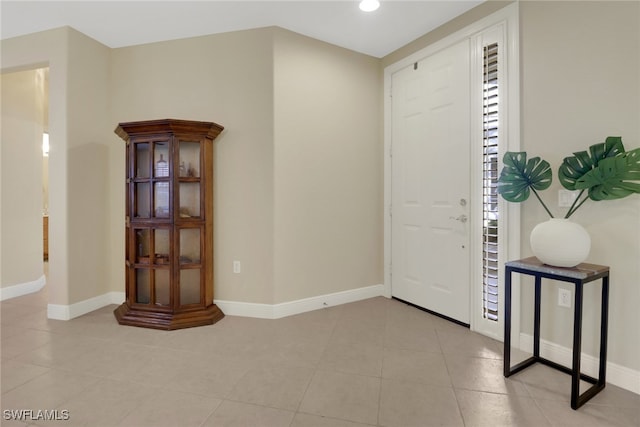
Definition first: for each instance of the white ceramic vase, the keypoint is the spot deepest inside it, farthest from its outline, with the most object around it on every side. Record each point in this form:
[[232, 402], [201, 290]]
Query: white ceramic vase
[[560, 242]]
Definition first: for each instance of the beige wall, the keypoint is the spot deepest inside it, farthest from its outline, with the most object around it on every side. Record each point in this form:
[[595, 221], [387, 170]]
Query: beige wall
[[88, 208], [580, 84], [294, 178], [78, 224], [328, 168], [227, 79], [21, 157]]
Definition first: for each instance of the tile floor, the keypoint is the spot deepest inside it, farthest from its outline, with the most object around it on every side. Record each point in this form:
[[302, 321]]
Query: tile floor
[[376, 362]]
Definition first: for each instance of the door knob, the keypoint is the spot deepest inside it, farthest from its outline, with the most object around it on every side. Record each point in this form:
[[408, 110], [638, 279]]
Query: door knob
[[462, 218]]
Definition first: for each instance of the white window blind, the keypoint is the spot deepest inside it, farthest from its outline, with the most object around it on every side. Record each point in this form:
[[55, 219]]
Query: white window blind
[[490, 183]]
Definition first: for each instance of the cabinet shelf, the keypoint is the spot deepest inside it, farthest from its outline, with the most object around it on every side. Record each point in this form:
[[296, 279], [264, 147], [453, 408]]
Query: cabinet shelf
[[169, 223]]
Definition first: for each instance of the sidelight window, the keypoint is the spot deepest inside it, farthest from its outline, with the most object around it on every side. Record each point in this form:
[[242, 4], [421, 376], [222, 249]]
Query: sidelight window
[[490, 218]]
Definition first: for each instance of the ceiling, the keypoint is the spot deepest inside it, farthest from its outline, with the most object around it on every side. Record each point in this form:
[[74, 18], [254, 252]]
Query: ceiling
[[127, 23]]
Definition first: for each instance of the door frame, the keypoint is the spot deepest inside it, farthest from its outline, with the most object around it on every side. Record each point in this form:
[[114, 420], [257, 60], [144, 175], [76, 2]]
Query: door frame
[[509, 132]]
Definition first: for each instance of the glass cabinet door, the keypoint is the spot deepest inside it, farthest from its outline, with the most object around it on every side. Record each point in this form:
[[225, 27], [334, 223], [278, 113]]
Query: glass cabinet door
[[161, 188], [190, 240], [142, 201], [151, 189], [143, 244], [190, 249], [142, 285], [189, 195], [156, 238], [189, 205], [151, 266], [141, 174], [161, 159], [190, 286], [142, 160], [152, 286], [161, 283], [161, 246], [161, 199], [189, 159]]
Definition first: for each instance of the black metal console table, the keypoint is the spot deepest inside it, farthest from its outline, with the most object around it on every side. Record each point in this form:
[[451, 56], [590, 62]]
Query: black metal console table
[[578, 275]]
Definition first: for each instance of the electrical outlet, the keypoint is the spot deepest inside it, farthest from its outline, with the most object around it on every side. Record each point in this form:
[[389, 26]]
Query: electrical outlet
[[564, 298], [237, 268]]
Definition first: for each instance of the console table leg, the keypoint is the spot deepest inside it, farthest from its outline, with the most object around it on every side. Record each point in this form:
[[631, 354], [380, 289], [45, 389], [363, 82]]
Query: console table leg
[[604, 325], [577, 346], [536, 317], [507, 323]]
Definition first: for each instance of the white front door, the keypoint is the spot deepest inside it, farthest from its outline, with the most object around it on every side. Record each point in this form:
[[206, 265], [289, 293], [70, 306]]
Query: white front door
[[430, 183]]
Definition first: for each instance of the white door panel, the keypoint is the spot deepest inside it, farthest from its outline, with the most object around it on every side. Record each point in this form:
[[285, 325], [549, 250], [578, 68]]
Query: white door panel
[[430, 177]]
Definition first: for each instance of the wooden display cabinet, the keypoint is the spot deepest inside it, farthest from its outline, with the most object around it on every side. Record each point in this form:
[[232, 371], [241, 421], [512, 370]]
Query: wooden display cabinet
[[169, 224]]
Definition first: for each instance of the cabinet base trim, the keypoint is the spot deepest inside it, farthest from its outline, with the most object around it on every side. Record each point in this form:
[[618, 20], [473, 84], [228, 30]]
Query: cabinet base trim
[[168, 321]]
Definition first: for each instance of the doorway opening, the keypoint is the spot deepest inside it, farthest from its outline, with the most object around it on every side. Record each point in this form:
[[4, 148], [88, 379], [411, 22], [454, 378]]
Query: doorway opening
[[45, 170], [25, 120], [46, 146]]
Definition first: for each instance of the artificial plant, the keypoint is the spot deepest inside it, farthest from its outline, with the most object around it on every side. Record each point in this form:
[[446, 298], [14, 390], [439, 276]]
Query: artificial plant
[[605, 172]]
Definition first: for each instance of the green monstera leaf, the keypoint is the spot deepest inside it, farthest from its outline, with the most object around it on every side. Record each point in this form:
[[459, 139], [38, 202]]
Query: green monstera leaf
[[520, 176], [573, 168], [613, 178], [604, 172]]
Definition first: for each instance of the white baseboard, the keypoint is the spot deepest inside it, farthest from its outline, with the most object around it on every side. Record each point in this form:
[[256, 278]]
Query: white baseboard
[[22, 289], [617, 375], [276, 311], [68, 312], [231, 308], [245, 309]]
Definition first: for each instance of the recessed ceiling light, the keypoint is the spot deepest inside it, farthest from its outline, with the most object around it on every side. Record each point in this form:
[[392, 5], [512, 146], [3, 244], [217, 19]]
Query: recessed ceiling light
[[369, 5]]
